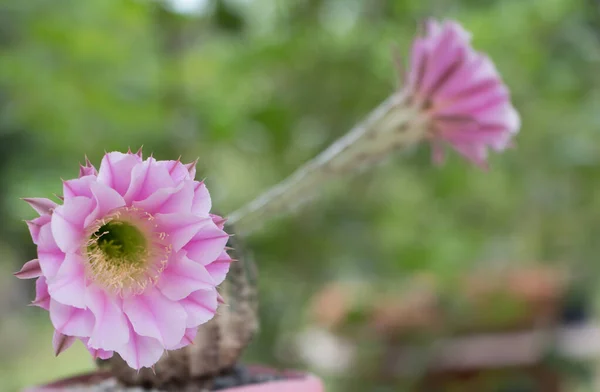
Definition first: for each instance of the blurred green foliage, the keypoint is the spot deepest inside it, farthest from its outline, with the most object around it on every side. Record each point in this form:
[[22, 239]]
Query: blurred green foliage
[[254, 88]]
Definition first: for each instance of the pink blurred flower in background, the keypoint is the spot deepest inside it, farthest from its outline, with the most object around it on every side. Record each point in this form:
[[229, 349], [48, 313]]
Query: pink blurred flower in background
[[130, 262], [462, 93]]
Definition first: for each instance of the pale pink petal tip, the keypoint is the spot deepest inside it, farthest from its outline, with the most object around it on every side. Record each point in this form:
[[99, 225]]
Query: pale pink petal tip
[[42, 297], [88, 169], [61, 342], [191, 167], [461, 91], [40, 205], [163, 287], [100, 354], [138, 153], [219, 221], [31, 269]]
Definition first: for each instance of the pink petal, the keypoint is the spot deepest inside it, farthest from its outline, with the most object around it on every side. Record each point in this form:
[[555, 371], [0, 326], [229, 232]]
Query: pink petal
[[169, 200], [475, 73], [491, 136], [201, 204], [71, 321], [471, 105], [447, 54], [88, 169], [191, 168], [462, 91], [207, 244], [42, 297], [471, 132], [78, 187], [97, 353], [106, 200], [477, 77], [40, 205], [68, 286], [180, 201], [183, 276], [219, 268], [34, 229], [200, 307], [31, 269], [153, 315], [147, 178], [446, 126], [116, 170], [188, 338], [100, 354], [181, 227], [110, 329], [35, 225], [67, 223], [49, 255], [61, 342], [502, 115], [177, 170], [50, 262], [140, 351], [218, 221], [512, 120]]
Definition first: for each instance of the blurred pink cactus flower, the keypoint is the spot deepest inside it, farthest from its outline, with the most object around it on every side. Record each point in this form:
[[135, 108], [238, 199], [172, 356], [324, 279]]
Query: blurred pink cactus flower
[[461, 92]]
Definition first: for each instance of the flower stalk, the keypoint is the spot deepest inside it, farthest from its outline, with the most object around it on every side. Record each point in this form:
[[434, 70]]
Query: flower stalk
[[396, 124]]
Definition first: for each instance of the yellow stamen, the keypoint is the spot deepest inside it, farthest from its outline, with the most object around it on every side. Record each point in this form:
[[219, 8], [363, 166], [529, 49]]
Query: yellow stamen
[[125, 251]]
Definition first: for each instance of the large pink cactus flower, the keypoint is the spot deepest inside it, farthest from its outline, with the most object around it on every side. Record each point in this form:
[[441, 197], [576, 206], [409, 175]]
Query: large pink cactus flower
[[129, 263], [461, 91]]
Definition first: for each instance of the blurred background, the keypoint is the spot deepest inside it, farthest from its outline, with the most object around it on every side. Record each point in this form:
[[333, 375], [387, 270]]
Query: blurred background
[[408, 277]]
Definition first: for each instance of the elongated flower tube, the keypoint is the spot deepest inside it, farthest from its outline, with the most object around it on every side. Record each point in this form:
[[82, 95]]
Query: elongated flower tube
[[130, 261], [453, 95]]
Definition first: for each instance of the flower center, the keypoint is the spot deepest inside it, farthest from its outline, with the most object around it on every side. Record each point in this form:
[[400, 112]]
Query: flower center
[[120, 244], [125, 251]]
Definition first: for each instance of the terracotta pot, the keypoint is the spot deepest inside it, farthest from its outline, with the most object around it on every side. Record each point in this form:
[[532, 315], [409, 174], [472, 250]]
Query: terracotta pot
[[294, 382]]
